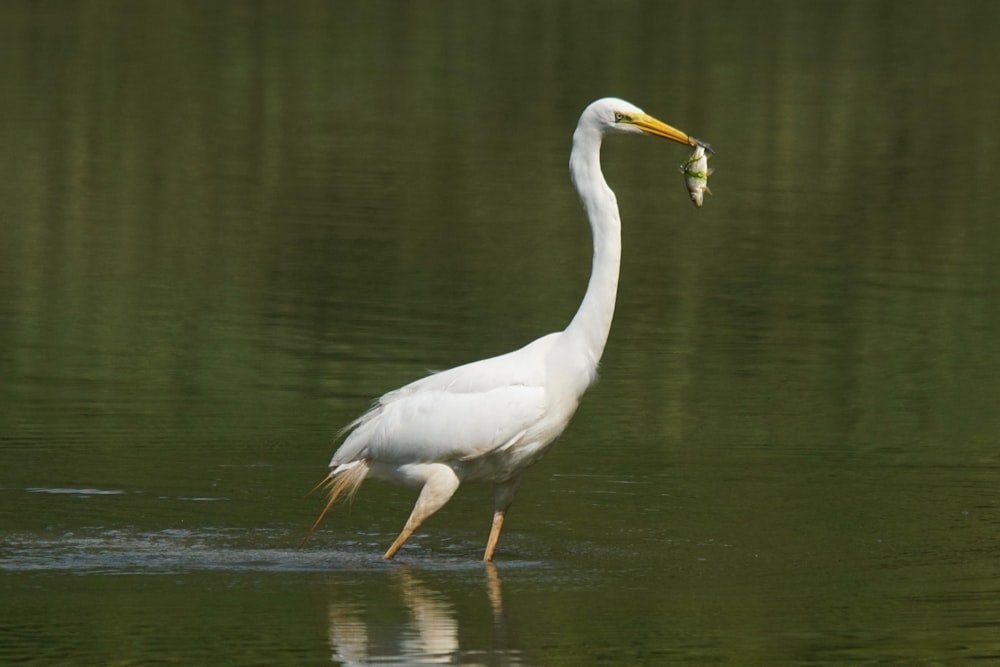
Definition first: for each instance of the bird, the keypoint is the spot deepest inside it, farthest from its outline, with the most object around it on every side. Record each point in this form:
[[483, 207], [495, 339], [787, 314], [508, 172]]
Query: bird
[[489, 420]]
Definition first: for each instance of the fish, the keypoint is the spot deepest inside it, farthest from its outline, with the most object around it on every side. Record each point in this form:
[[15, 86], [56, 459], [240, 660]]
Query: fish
[[696, 172]]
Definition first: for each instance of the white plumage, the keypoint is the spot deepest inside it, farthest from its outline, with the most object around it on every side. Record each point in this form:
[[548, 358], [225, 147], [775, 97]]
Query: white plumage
[[489, 420]]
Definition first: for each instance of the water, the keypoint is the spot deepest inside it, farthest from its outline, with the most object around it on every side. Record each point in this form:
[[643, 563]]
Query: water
[[226, 227]]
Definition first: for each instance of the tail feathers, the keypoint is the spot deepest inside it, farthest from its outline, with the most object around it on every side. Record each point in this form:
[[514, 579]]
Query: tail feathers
[[344, 480]]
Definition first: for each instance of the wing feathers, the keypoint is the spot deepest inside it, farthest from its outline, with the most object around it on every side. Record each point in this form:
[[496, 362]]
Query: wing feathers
[[459, 413]]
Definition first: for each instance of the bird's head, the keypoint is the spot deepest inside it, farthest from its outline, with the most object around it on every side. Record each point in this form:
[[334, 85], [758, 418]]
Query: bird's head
[[611, 114]]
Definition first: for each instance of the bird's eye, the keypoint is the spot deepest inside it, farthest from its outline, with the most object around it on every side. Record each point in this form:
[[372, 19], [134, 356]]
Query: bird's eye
[[619, 117]]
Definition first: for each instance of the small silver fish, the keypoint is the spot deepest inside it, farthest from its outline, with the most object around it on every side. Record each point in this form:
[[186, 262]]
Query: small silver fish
[[696, 172]]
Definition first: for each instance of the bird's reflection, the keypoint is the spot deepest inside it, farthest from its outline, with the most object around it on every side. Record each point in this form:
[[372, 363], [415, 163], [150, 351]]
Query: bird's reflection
[[428, 635]]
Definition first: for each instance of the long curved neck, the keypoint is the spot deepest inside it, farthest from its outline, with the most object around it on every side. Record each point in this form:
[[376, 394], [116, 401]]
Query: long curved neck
[[589, 329]]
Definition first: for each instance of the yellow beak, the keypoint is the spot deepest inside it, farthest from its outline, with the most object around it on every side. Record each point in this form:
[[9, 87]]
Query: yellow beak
[[658, 128]]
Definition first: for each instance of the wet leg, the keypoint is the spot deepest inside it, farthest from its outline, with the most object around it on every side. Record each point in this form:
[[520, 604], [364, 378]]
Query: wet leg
[[502, 499], [441, 483]]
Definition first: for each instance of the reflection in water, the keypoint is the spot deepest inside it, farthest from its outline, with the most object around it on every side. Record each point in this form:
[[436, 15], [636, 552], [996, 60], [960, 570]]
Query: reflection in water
[[428, 636]]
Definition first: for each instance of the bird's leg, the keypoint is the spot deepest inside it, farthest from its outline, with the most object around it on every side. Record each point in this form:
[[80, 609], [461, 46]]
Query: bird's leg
[[502, 499], [439, 486]]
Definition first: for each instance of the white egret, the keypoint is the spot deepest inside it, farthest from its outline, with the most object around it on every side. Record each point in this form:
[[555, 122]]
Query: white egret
[[489, 420]]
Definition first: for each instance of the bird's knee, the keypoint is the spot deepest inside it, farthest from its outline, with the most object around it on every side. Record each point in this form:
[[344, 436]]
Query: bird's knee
[[440, 484]]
